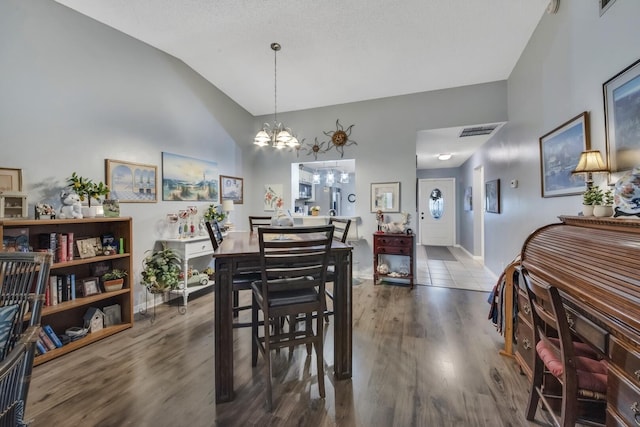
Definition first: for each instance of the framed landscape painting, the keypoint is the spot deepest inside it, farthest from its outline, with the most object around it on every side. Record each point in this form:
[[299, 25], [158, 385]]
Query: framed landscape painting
[[560, 151], [622, 118], [231, 188], [492, 194], [130, 182], [189, 179]]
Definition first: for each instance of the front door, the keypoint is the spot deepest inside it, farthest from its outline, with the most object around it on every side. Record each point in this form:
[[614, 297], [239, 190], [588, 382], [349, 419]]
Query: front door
[[437, 208]]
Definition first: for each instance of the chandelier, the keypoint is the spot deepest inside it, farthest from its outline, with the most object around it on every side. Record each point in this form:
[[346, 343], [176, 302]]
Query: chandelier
[[276, 135]]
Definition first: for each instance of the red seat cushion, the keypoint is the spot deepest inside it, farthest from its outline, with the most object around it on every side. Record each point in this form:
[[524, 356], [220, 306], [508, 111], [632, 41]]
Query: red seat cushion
[[591, 373]]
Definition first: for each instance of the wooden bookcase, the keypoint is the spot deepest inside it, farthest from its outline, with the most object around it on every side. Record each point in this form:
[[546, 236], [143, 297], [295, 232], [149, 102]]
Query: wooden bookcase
[[71, 313]]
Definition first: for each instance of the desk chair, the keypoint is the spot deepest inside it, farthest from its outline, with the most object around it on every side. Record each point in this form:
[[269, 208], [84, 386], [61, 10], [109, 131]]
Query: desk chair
[[562, 361], [23, 281], [340, 232], [258, 221], [241, 281], [293, 269]]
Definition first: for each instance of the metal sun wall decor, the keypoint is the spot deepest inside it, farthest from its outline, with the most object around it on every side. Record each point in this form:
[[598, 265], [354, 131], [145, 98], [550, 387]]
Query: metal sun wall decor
[[339, 140]]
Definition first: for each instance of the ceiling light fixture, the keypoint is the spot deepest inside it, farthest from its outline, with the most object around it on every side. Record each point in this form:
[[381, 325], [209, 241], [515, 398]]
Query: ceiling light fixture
[[344, 178], [277, 134], [445, 156]]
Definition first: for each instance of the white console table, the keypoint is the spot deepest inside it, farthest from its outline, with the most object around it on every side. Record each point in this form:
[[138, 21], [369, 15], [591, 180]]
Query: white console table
[[196, 249]]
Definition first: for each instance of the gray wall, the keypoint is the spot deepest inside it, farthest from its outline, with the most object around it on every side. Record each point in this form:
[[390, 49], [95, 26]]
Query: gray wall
[[385, 131], [75, 92], [559, 75]]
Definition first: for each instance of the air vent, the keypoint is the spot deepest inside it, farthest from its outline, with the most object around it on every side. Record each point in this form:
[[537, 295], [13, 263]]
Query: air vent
[[478, 130]]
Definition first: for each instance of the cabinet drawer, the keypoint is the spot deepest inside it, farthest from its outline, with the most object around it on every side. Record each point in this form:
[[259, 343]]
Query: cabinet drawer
[[393, 250], [393, 241], [201, 247], [525, 344], [587, 330], [623, 397], [626, 359], [524, 307]]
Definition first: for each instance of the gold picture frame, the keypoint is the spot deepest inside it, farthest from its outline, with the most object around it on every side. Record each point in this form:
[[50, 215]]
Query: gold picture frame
[[131, 182], [231, 188], [10, 179]]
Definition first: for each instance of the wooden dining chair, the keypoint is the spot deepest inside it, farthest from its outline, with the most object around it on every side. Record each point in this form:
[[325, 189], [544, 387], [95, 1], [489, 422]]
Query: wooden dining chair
[[567, 373], [258, 221], [293, 263], [241, 281], [340, 232], [23, 281]]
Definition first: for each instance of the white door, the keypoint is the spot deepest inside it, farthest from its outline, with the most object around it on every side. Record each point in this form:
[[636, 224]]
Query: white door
[[437, 210]]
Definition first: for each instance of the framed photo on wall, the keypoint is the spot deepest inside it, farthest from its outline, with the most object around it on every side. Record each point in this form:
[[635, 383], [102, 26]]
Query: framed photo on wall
[[189, 179], [10, 179], [385, 196], [231, 188], [621, 112], [130, 182], [492, 194], [560, 151]]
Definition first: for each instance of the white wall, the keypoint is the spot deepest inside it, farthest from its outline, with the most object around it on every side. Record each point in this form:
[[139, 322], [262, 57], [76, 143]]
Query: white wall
[[75, 92], [559, 75]]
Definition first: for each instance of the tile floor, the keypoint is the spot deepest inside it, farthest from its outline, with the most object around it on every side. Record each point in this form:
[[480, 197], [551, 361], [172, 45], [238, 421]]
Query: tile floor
[[465, 273]]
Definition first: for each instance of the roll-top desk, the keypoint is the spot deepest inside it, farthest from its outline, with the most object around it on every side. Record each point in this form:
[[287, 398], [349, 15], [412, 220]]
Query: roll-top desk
[[595, 262]]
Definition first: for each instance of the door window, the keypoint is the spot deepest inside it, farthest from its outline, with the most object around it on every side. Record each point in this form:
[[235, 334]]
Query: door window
[[436, 203]]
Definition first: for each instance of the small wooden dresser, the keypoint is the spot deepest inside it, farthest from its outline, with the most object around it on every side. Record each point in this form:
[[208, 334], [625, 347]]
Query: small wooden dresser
[[393, 244], [595, 262]]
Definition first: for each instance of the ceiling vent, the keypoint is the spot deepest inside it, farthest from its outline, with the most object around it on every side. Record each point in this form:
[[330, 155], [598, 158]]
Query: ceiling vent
[[477, 130]]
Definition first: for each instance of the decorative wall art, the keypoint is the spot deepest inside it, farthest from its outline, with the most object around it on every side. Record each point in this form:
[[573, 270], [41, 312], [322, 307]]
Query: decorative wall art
[[385, 196], [492, 192], [339, 139], [621, 112], [130, 182], [231, 188], [187, 178], [468, 206], [10, 179], [273, 197], [605, 5], [560, 151]]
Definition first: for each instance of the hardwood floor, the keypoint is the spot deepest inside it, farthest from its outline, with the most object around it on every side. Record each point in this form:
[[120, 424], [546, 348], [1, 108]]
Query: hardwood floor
[[422, 357]]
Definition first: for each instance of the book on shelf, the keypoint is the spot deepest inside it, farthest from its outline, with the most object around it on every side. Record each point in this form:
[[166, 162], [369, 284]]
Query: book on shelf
[[53, 289], [42, 349], [60, 288], [63, 249], [52, 335], [69, 246], [72, 278], [47, 296], [46, 340]]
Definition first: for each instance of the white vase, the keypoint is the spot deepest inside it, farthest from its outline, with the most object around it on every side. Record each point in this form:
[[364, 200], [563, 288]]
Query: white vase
[[601, 211], [89, 212], [587, 210]]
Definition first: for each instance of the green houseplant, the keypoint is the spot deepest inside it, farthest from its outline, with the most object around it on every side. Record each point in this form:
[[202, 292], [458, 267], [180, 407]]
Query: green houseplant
[[113, 280], [214, 212], [589, 199], [161, 270], [86, 188], [604, 204]]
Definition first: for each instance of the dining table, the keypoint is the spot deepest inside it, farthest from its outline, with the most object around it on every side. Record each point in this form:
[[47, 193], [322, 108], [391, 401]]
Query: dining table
[[239, 252]]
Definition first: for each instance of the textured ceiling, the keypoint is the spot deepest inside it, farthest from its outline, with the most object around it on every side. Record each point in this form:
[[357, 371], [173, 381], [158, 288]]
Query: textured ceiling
[[334, 51]]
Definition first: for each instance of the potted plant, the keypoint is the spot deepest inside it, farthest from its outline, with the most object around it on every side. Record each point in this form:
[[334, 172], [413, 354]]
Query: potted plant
[[604, 204], [87, 189], [315, 210], [589, 199], [161, 270], [214, 212], [113, 280]]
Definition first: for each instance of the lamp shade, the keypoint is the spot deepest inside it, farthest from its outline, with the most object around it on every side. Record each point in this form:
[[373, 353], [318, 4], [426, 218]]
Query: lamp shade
[[590, 161], [227, 205]]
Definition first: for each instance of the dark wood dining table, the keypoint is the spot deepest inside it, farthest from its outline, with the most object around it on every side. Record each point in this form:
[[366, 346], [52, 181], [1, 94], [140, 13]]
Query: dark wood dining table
[[240, 251]]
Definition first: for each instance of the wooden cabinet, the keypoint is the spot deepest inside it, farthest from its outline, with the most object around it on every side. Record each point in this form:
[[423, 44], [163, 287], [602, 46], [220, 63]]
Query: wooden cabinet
[[70, 313], [525, 351], [396, 245]]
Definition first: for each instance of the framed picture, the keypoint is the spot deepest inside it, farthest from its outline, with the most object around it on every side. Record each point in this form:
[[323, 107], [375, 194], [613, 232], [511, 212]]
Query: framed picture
[[385, 196], [131, 182], [231, 188], [492, 194], [621, 112], [560, 151], [468, 193], [604, 5], [189, 179], [10, 179], [272, 199], [90, 286]]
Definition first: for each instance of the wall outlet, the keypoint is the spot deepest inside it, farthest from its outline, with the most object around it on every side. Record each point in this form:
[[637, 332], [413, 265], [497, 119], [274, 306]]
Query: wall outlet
[[514, 183]]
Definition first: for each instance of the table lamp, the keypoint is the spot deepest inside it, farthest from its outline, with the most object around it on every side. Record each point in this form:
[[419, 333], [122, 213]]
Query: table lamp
[[590, 162], [227, 206]]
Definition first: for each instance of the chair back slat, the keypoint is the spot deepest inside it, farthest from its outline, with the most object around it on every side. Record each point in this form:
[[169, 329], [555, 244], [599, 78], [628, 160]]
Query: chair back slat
[[341, 228], [215, 233], [258, 221]]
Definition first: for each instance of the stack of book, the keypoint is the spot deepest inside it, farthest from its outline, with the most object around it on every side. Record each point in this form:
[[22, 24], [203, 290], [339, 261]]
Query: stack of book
[[58, 244], [62, 287], [47, 340]]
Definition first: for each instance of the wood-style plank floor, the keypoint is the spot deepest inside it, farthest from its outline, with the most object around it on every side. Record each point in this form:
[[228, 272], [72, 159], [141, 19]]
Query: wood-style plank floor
[[421, 357]]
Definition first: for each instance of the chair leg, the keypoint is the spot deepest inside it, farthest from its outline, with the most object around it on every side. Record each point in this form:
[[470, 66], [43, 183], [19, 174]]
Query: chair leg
[[254, 331], [267, 368], [236, 302], [319, 345], [534, 395]]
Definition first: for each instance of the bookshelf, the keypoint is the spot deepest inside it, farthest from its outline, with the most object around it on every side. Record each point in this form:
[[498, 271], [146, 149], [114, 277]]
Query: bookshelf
[[70, 313]]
